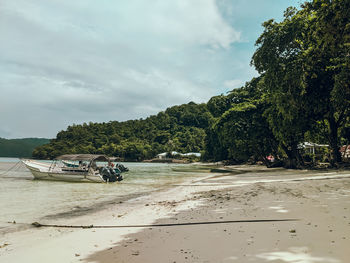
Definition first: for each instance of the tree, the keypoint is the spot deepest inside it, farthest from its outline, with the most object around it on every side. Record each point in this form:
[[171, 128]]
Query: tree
[[277, 57], [242, 132], [305, 62], [217, 105], [327, 65]]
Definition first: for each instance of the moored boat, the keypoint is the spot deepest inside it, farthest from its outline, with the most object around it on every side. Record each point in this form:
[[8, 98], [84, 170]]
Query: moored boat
[[88, 169]]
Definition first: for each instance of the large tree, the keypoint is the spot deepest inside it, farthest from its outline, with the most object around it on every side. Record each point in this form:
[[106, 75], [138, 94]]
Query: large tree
[[278, 57], [241, 133], [327, 65], [305, 62]]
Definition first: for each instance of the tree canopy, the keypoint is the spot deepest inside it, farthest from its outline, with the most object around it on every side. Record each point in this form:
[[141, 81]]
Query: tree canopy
[[305, 63], [302, 92], [179, 128]]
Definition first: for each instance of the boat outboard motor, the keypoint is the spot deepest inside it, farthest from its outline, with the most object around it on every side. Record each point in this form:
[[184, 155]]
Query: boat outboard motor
[[116, 175], [109, 175], [113, 174], [106, 175]]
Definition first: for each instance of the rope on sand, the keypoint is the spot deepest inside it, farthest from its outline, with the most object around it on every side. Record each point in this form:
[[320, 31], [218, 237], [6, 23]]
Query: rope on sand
[[37, 224]]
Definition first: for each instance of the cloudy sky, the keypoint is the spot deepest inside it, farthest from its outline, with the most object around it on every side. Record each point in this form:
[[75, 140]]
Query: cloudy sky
[[65, 62]]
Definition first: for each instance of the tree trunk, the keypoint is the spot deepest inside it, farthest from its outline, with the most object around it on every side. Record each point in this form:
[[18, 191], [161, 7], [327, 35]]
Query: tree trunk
[[294, 158], [333, 142]]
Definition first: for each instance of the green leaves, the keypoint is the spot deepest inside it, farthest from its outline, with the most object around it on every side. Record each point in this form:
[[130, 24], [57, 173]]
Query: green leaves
[[241, 132], [305, 61], [179, 128]]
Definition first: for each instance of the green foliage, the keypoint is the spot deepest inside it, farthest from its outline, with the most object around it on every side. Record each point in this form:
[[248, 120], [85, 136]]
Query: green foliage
[[241, 133], [327, 65], [179, 128], [20, 147], [217, 105], [278, 56], [303, 92], [305, 63]]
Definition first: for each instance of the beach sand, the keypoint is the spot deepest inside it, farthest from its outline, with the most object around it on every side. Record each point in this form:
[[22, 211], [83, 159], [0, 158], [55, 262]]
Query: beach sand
[[319, 202]]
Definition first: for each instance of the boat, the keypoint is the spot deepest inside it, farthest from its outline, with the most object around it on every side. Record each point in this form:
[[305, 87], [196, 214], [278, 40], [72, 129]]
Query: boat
[[89, 169]]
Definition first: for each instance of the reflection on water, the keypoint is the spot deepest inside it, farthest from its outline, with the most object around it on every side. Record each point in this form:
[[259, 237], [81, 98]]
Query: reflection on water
[[26, 200]]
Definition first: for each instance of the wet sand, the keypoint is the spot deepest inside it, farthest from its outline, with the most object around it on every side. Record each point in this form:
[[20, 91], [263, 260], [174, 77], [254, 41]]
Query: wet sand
[[321, 234], [320, 201]]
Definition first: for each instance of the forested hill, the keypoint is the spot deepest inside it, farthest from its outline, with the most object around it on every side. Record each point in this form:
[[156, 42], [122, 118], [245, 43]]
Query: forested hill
[[179, 128], [20, 147]]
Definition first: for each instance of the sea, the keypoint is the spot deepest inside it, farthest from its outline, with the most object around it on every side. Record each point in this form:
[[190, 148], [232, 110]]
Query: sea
[[24, 200]]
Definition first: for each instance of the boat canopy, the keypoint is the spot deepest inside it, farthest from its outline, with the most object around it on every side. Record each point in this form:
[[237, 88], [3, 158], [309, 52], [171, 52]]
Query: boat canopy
[[83, 157]]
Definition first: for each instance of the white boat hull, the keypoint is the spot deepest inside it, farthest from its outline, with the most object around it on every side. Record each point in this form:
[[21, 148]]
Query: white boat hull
[[42, 171]]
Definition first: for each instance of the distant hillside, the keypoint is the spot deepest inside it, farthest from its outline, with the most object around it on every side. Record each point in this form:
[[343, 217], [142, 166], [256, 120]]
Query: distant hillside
[[20, 147], [179, 128]]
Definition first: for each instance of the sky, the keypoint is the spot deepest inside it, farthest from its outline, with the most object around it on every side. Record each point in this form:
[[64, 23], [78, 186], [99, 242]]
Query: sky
[[65, 62]]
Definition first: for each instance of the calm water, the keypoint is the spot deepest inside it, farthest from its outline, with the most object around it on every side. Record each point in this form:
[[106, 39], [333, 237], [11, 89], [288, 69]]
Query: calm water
[[26, 200]]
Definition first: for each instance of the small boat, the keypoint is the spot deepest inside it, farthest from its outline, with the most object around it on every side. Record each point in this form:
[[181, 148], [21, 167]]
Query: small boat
[[88, 169]]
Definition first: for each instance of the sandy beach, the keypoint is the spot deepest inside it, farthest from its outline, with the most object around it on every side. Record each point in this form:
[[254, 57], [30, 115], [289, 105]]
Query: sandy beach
[[317, 202]]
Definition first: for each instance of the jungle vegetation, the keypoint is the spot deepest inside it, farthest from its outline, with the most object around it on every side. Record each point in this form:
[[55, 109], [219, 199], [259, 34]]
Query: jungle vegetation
[[302, 94], [179, 128]]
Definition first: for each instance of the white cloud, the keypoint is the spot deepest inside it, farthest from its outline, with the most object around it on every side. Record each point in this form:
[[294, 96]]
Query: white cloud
[[84, 60], [192, 22]]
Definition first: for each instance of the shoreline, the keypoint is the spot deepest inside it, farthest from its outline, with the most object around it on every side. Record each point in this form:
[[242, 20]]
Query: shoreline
[[214, 197]]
